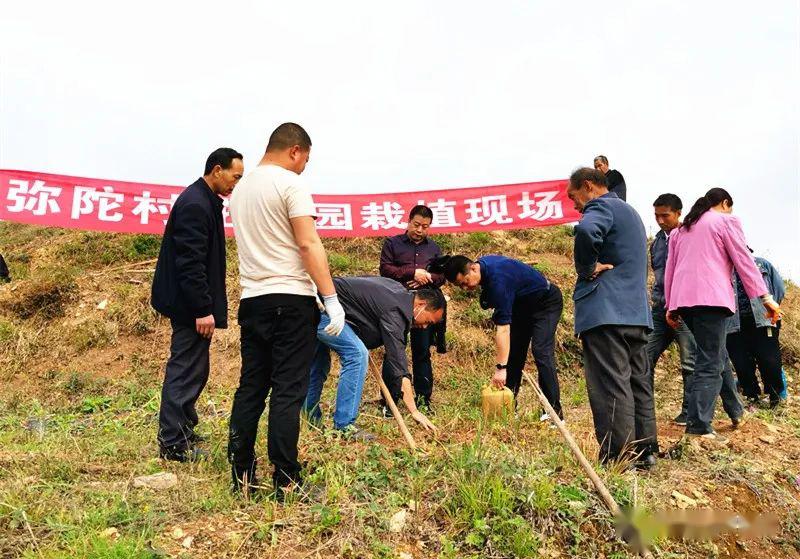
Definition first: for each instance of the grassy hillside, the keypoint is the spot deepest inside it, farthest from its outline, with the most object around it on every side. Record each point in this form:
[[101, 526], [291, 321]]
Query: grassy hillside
[[81, 363]]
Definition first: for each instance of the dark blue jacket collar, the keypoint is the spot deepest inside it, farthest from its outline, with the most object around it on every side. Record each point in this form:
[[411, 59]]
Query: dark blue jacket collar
[[203, 185]]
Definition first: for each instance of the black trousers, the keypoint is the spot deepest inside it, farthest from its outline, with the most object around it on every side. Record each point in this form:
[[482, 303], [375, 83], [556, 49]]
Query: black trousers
[[751, 347], [279, 336], [186, 376], [421, 361], [4, 273], [620, 390], [533, 324]]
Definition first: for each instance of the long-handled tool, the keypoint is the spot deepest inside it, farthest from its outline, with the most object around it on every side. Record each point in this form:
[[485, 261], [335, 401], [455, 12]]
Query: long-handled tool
[[395, 412], [632, 538]]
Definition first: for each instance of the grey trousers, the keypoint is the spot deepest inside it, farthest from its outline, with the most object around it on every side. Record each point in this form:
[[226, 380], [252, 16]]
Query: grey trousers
[[660, 339], [186, 376], [620, 390]]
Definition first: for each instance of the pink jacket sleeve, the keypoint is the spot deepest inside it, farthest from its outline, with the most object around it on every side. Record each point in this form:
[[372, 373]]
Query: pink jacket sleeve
[[736, 247], [669, 270]]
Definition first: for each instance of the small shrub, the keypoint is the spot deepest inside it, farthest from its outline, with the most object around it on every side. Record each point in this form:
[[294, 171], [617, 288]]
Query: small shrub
[[477, 316], [74, 384], [7, 330], [543, 267], [94, 333], [94, 404], [57, 470], [141, 247], [340, 263], [94, 248], [326, 518], [351, 264], [129, 307], [478, 241], [446, 242], [45, 296]]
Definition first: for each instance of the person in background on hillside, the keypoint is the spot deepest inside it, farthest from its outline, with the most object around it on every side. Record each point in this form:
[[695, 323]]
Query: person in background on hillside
[[282, 266], [378, 312], [753, 339], [612, 319], [189, 288], [5, 275], [614, 179], [404, 258], [527, 308], [703, 252], [667, 208]]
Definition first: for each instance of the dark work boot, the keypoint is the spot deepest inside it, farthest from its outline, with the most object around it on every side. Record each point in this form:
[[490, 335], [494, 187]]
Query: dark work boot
[[182, 454]]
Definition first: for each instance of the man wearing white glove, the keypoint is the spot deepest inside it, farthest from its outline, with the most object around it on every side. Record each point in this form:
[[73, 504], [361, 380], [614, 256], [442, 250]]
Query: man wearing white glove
[[282, 267], [380, 312], [335, 314]]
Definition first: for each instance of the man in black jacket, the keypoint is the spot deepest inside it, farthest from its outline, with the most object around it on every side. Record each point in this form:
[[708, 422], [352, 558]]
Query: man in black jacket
[[189, 288], [615, 180]]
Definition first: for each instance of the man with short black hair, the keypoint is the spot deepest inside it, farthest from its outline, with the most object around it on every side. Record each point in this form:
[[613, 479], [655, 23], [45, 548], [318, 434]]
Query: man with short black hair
[[614, 179], [282, 267], [667, 208], [379, 312], [189, 288], [527, 309], [404, 258], [612, 319]]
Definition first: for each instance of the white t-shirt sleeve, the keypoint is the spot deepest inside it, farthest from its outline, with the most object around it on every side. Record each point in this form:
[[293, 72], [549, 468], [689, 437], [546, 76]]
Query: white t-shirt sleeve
[[298, 200]]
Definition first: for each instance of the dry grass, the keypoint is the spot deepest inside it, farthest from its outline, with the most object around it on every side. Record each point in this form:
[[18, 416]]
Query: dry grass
[[78, 419], [790, 329]]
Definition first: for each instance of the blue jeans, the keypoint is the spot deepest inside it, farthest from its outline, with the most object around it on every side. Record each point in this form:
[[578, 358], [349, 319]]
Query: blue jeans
[[713, 375], [660, 339], [353, 357]]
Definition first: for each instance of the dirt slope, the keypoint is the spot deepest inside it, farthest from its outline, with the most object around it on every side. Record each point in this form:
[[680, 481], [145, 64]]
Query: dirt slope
[[81, 359]]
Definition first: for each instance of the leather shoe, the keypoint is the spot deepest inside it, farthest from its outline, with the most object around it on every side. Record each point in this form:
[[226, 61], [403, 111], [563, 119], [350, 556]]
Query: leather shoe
[[646, 462], [178, 454]]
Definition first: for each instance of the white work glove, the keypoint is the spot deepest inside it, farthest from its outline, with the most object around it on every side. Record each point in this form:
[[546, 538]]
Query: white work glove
[[335, 312]]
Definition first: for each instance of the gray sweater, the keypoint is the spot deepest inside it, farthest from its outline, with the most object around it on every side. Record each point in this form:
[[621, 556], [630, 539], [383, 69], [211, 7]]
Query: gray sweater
[[380, 311]]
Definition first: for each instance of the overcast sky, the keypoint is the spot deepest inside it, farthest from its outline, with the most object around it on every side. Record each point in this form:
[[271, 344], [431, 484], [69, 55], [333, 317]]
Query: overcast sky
[[681, 96]]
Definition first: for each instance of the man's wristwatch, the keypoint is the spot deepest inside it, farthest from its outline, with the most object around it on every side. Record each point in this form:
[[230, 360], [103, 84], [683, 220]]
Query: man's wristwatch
[[500, 367]]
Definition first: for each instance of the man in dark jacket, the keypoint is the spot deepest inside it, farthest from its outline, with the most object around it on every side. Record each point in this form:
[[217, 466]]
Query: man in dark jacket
[[405, 258], [189, 288], [615, 180], [612, 318], [667, 209]]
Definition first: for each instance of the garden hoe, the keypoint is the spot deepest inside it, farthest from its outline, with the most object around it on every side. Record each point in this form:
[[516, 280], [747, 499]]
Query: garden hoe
[[395, 412], [628, 532]]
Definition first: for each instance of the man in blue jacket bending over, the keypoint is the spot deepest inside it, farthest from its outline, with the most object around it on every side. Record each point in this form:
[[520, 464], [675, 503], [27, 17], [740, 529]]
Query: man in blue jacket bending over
[[527, 308]]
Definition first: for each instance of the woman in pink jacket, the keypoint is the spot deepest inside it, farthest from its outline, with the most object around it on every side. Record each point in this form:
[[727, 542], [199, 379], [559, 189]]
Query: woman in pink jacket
[[697, 286]]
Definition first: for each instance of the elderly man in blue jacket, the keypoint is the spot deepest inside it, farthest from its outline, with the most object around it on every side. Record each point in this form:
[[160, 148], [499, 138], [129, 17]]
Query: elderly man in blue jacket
[[189, 288], [612, 319]]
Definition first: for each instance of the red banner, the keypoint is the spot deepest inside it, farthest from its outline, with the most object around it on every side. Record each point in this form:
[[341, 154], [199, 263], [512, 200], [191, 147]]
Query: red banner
[[130, 207]]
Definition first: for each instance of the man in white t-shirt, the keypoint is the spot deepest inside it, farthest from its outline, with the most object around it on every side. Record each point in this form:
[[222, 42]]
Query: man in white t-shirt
[[282, 264]]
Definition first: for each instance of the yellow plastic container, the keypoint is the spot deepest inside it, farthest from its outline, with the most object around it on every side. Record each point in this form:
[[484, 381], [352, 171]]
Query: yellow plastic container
[[496, 402]]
